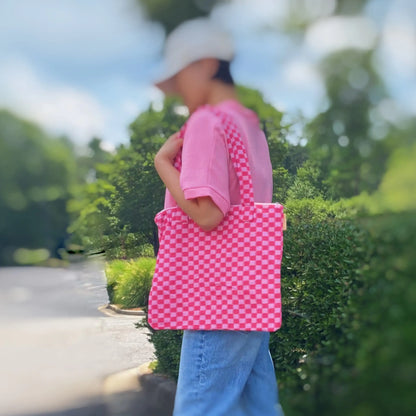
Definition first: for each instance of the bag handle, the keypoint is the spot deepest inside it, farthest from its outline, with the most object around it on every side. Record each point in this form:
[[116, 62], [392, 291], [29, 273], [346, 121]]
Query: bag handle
[[239, 157], [237, 151]]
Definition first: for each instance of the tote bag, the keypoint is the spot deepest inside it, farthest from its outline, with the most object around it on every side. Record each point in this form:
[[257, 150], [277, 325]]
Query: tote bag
[[227, 278]]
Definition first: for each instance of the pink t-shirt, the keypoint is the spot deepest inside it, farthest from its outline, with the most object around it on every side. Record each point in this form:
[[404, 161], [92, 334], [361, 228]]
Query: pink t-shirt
[[207, 169]]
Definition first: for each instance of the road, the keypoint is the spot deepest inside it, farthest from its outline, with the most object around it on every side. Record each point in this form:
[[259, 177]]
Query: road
[[56, 346]]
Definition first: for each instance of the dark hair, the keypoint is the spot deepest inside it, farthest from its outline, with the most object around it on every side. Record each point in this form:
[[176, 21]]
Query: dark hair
[[223, 74]]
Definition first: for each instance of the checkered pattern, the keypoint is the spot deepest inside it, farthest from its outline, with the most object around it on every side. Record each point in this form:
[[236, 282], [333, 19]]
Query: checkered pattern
[[228, 278]]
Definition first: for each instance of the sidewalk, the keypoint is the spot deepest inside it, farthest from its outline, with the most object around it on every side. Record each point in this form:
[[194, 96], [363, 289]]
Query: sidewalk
[[57, 348], [137, 391]]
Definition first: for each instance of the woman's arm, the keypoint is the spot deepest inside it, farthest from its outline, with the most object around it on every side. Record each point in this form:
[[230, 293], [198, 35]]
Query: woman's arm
[[202, 210]]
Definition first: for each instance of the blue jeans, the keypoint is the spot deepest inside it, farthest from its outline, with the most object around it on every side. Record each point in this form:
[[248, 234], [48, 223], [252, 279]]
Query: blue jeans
[[226, 373]]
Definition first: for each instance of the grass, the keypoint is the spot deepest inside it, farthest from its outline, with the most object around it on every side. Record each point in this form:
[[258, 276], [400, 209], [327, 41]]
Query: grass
[[129, 281]]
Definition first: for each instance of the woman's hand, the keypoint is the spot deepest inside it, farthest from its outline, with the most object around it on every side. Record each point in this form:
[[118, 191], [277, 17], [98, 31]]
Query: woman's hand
[[169, 149]]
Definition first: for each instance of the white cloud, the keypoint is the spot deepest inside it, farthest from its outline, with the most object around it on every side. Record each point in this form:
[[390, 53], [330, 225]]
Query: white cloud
[[77, 68], [61, 109], [336, 33], [399, 46], [242, 16], [89, 32], [396, 56], [299, 87], [301, 73]]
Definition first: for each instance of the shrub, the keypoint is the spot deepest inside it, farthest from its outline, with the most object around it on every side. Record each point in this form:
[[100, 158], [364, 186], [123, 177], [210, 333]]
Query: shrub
[[382, 380], [129, 281], [362, 363], [126, 246], [168, 351], [319, 280]]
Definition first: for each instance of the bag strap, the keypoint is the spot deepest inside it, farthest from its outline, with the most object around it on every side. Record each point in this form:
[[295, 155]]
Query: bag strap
[[237, 151]]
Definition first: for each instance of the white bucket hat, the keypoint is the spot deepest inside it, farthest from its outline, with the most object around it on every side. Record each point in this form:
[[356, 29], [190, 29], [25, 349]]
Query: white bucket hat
[[190, 41]]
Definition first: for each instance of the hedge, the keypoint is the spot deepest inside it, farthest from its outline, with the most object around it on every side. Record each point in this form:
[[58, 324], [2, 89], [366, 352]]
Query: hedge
[[347, 342]]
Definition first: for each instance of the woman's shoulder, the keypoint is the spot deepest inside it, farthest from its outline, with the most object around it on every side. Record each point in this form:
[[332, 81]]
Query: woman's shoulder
[[203, 118]]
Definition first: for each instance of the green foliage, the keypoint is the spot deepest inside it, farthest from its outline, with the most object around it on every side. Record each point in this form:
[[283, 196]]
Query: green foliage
[[171, 13], [300, 15], [359, 359], [90, 204], [129, 282], [114, 211], [341, 139], [319, 281], [168, 351], [36, 173], [90, 211], [92, 162], [397, 189], [254, 100], [138, 191], [305, 211], [127, 246], [306, 184], [286, 158], [386, 307]]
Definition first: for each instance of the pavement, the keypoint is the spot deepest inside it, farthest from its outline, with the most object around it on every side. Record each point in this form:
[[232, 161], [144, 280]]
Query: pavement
[[63, 352]]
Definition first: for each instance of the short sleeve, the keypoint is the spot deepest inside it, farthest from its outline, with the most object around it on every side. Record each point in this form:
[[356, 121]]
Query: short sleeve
[[205, 160]]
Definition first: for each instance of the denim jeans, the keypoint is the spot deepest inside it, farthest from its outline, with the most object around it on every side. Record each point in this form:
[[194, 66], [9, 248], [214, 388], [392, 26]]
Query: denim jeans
[[226, 373]]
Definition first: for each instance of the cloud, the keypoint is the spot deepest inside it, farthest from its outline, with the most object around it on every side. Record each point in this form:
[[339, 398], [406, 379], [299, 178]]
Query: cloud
[[299, 87], [396, 56], [399, 46], [80, 39], [332, 34], [242, 16], [77, 68], [61, 109]]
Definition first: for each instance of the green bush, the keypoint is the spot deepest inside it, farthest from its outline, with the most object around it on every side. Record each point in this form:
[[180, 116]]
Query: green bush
[[305, 211], [167, 350], [129, 281], [358, 359], [382, 379], [125, 246], [319, 281]]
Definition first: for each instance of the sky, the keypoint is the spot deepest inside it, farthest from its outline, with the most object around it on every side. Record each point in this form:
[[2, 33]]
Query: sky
[[85, 68]]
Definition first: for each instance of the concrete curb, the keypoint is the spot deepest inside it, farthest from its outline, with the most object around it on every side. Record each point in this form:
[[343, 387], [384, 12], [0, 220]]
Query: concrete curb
[[117, 309], [127, 380], [138, 392]]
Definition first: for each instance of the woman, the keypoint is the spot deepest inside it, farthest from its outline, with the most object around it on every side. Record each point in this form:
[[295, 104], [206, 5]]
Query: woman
[[222, 373]]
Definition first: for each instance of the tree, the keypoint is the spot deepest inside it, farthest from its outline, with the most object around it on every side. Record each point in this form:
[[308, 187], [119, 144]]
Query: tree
[[36, 172], [171, 13], [285, 157], [340, 139], [307, 184], [139, 192]]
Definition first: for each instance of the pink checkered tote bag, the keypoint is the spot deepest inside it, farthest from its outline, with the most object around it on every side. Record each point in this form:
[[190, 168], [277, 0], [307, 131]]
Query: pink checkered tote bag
[[228, 278]]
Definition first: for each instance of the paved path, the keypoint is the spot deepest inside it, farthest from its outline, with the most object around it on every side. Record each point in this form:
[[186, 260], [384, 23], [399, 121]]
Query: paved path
[[56, 347]]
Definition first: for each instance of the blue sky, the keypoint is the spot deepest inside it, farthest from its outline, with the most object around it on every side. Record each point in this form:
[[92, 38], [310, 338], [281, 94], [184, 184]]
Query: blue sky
[[84, 68]]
